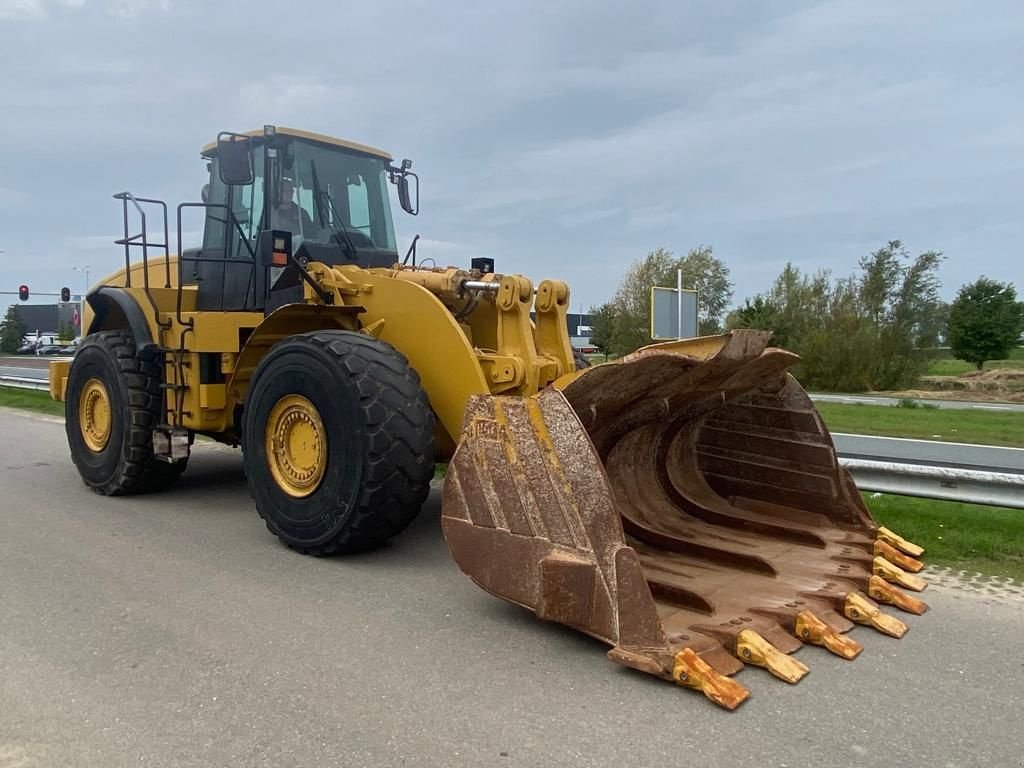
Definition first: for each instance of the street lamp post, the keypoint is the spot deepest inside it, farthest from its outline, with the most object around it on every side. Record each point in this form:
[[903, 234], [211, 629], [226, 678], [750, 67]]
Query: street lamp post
[[85, 271]]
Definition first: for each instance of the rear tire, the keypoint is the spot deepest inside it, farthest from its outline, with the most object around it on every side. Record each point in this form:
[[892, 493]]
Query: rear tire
[[112, 404], [338, 440]]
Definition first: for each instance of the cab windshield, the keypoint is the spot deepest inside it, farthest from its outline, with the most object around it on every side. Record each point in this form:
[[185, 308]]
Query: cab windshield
[[337, 192], [321, 194]]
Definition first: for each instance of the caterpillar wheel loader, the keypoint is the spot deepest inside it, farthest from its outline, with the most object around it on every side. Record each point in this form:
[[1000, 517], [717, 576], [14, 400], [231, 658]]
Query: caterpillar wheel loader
[[683, 504]]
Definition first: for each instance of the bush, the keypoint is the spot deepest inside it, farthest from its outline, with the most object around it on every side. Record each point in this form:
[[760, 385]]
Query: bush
[[856, 333]]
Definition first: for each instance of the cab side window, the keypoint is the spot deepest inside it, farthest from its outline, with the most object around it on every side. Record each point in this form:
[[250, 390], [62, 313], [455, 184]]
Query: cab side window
[[358, 204]]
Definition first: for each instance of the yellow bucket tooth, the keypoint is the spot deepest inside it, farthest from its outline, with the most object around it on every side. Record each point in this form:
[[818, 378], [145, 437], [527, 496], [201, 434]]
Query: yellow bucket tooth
[[882, 591], [692, 671], [810, 629], [862, 611], [894, 556], [882, 567], [754, 649], [907, 547]]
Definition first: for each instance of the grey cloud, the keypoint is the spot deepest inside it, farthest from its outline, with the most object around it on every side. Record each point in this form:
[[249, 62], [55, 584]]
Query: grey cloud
[[562, 138]]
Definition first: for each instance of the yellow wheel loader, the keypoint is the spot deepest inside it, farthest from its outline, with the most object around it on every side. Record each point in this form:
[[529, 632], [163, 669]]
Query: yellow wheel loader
[[683, 504]]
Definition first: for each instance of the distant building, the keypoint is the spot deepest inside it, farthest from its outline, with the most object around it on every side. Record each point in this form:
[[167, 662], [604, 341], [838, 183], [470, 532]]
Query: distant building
[[580, 325], [47, 318], [38, 317], [579, 330]]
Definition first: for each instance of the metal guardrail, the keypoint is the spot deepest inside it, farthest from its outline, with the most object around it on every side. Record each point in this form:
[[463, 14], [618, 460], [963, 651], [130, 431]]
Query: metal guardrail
[[925, 402], [974, 474], [24, 382]]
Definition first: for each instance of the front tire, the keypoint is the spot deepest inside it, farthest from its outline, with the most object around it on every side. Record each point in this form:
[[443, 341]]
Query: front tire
[[338, 442], [112, 404]]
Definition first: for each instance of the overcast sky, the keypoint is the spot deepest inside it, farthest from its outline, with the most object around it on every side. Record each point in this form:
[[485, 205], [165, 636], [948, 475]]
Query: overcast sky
[[564, 139]]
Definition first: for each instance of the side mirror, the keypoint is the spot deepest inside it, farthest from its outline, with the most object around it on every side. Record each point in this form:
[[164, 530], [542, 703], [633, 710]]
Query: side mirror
[[234, 159], [405, 194], [205, 193]]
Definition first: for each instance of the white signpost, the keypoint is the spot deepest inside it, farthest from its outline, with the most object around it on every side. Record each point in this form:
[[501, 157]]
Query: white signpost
[[673, 312]]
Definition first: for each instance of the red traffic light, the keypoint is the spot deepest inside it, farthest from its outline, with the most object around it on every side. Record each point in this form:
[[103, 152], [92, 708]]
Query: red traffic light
[[65, 294], [23, 292]]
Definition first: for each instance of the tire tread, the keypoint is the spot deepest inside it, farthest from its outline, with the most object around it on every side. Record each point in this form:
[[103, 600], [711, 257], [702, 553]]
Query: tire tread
[[400, 461], [138, 471]]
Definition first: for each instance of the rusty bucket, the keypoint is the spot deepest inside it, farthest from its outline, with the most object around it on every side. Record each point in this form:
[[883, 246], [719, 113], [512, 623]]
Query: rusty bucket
[[685, 505]]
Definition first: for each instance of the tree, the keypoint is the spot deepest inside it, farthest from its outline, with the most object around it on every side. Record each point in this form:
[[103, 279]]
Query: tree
[[985, 321], [758, 314], [602, 327], [708, 275], [702, 271], [632, 301], [65, 332], [900, 296], [865, 331], [790, 307], [12, 331]]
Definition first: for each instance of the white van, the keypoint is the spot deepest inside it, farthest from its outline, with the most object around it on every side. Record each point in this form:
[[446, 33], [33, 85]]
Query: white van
[[44, 339]]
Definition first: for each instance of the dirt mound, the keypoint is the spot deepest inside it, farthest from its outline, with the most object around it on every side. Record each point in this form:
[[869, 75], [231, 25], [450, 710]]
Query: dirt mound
[[978, 395], [993, 385], [995, 374]]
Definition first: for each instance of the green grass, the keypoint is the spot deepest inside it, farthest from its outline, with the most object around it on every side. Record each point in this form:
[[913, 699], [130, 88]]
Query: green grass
[[964, 536], [943, 363], [947, 425], [30, 400]]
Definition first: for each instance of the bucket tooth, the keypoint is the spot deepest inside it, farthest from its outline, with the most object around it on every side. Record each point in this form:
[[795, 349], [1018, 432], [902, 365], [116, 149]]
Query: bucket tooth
[[893, 573], [897, 558], [810, 629], [751, 648], [883, 592], [863, 611], [907, 547], [692, 671]]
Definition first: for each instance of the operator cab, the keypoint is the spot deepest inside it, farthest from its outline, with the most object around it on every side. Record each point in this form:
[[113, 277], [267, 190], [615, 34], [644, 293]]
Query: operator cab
[[331, 195]]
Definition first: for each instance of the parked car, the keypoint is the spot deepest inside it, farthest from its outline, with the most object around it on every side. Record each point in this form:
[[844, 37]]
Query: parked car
[[50, 349], [28, 348]]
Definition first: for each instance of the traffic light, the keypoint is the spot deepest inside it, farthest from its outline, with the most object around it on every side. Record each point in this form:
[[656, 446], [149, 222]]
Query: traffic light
[[65, 294], [23, 292]]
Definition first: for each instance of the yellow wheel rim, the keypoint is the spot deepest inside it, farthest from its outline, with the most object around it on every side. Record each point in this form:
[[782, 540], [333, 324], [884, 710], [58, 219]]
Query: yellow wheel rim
[[94, 415], [296, 444]]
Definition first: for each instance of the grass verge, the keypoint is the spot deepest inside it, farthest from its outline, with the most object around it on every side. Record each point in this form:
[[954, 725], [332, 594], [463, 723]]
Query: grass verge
[[30, 400], [947, 425], [964, 536], [944, 364]]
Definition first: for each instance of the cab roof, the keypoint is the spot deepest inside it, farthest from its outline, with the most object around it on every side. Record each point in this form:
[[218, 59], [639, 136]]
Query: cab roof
[[211, 149]]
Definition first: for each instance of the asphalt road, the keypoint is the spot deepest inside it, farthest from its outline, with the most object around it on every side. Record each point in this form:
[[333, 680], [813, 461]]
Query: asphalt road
[[173, 630]]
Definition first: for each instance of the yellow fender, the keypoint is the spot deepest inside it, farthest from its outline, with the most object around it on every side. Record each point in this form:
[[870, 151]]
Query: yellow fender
[[415, 322]]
